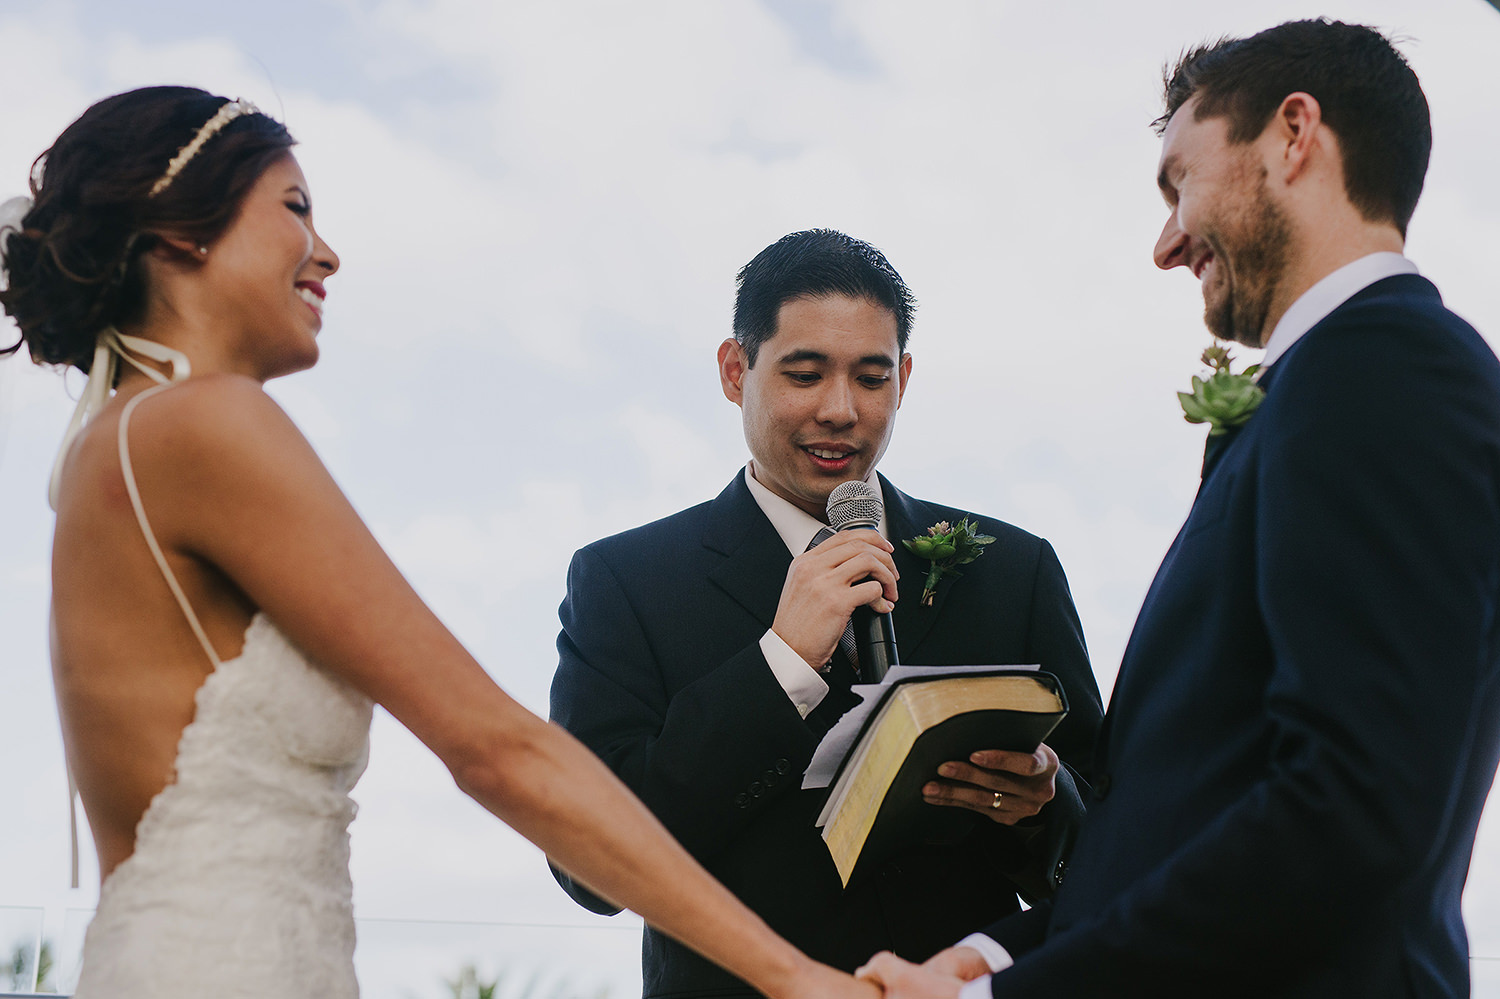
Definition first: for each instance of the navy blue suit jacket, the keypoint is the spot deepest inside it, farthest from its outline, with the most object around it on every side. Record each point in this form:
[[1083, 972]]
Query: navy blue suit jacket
[[1307, 720], [662, 675]]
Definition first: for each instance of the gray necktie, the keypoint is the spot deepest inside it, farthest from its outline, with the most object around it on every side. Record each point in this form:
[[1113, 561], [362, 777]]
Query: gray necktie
[[846, 640]]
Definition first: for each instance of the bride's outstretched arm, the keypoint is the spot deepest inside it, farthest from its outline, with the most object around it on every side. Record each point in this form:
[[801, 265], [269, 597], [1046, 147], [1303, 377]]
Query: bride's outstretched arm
[[239, 487]]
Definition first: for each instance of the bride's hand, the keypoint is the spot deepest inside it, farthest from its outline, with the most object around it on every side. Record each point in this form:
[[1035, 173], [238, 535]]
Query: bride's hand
[[822, 982]]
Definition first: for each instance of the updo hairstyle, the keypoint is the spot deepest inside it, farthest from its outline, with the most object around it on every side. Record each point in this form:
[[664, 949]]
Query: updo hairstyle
[[74, 266]]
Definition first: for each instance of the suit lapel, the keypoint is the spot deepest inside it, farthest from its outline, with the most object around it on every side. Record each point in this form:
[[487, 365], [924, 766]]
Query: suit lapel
[[755, 559], [907, 518]]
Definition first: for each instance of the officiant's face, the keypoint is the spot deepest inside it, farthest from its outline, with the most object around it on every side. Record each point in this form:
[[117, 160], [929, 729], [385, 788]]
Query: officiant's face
[[820, 401]]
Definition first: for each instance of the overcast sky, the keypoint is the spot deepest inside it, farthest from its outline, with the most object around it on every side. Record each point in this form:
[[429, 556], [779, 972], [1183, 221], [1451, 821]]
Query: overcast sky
[[540, 209]]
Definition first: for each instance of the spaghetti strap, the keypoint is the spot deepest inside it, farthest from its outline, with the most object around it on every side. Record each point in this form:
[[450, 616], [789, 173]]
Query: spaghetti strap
[[140, 516]]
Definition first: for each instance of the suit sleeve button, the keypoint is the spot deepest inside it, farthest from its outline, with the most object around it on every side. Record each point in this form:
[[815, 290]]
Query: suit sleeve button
[[782, 766], [742, 799], [756, 787]]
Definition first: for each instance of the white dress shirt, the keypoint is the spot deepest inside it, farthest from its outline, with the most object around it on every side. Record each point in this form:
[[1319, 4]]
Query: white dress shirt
[[797, 529], [1311, 307], [1314, 305]]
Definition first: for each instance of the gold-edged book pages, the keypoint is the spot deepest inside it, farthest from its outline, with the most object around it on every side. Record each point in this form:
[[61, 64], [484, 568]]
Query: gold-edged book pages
[[875, 806]]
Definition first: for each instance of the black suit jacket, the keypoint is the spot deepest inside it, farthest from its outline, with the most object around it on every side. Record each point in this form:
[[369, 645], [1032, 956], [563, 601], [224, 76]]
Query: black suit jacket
[[1307, 719], [662, 675]]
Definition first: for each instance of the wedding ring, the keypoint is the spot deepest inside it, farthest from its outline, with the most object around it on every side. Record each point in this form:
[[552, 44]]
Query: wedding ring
[[996, 802]]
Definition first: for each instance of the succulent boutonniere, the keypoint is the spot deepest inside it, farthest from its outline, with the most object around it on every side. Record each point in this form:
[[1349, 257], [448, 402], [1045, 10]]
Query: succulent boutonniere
[[1224, 400], [946, 547]]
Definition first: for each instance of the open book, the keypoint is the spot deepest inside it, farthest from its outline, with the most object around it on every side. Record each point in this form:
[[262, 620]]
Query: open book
[[875, 807]]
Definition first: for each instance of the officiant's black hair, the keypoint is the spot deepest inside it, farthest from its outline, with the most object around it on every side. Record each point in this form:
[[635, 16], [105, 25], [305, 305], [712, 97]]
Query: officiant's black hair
[[1369, 96], [811, 264], [74, 267]]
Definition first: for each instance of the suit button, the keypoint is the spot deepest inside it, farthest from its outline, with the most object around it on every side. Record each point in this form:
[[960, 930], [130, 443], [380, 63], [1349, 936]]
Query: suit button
[[742, 800], [756, 787], [770, 777], [1057, 874], [1101, 786], [782, 766]]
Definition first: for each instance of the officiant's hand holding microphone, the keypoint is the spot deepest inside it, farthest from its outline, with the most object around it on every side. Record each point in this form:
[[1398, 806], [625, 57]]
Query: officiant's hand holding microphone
[[826, 583]]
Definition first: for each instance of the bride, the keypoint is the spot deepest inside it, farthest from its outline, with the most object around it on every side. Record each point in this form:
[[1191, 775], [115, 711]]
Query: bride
[[222, 619]]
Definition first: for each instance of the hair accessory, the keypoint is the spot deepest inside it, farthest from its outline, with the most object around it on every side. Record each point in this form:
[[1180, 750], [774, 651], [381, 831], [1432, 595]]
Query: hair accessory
[[227, 113], [11, 214]]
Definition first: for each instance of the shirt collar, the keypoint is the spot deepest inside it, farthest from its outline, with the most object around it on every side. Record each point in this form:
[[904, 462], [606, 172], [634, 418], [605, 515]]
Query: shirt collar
[[1328, 294], [795, 525]]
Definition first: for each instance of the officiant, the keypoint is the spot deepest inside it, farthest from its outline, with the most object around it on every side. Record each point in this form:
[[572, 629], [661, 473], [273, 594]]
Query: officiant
[[700, 655]]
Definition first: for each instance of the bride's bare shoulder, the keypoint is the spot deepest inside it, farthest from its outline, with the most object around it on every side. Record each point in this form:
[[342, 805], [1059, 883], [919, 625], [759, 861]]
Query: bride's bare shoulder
[[218, 449], [211, 420], [209, 404]]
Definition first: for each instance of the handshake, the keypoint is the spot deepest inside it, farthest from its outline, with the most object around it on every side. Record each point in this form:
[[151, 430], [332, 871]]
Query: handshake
[[940, 977]]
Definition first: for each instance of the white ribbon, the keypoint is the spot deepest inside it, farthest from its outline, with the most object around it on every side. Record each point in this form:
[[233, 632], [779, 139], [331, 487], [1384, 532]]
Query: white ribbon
[[110, 347]]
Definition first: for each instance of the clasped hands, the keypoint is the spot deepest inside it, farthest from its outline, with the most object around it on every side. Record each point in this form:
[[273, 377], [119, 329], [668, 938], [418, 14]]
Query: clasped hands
[[939, 977]]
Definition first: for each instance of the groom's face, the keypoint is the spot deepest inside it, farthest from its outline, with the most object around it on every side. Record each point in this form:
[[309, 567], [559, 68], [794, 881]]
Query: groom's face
[[1223, 225], [820, 401]]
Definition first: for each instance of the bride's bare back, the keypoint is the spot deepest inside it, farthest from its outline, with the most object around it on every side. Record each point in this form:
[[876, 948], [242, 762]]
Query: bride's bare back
[[126, 665]]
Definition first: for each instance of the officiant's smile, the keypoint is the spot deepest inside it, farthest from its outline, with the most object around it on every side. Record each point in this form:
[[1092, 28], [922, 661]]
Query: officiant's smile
[[819, 397]]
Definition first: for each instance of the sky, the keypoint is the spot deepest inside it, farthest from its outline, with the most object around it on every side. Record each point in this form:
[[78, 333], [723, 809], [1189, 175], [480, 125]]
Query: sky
[[540, 210]]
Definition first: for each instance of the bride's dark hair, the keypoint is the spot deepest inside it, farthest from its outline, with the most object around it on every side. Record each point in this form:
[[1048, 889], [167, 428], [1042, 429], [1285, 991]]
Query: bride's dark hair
[[74, 266]]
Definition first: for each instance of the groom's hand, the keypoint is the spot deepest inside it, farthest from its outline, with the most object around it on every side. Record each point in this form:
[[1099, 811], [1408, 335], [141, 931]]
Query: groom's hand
[[1003, 786], [961, 962], [903, 980]]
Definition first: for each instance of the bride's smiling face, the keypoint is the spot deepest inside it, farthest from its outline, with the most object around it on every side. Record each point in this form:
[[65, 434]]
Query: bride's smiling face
[[266, 274]]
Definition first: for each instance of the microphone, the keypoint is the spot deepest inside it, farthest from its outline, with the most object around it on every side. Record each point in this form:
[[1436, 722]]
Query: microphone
[[854, 505]]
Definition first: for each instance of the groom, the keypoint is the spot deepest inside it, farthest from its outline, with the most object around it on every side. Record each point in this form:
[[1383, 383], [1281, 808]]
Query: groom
[[699, 654], [1307, 719]]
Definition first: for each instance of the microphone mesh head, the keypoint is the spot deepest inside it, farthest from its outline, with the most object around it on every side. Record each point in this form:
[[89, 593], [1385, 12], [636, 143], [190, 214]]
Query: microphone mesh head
[[854, 504]]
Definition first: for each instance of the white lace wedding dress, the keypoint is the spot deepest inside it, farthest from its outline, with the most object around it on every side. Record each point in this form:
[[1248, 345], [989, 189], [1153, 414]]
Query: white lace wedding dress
[[239, 883]]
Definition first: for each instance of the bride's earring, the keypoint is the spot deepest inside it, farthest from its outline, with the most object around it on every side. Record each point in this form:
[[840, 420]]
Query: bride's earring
[[202, 250]]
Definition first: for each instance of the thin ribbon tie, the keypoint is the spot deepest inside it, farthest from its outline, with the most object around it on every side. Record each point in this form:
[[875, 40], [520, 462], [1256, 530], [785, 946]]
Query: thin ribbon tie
[[110, 347]]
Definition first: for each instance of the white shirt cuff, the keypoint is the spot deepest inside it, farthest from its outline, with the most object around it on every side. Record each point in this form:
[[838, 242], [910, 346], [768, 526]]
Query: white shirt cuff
[[800, 681], [996, 956], [978, 988]]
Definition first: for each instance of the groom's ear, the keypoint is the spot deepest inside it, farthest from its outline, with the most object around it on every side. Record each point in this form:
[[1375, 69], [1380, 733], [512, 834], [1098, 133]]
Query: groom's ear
[[733, 364]]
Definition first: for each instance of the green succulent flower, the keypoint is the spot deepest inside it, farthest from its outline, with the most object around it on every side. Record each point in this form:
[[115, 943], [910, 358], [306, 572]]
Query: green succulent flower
[[1224, 400], [946, 547]]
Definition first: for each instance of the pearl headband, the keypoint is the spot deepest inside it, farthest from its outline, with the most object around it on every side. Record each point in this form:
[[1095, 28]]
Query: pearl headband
[[227, 113]]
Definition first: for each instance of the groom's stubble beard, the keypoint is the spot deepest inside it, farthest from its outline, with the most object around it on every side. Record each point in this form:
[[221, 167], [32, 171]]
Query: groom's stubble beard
[[1253, 245]]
